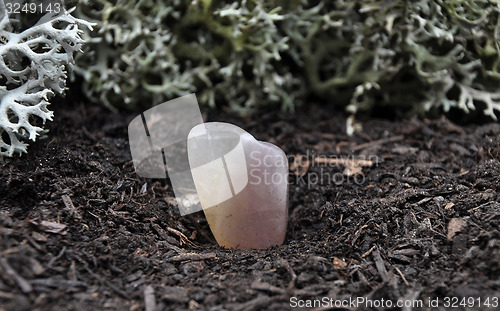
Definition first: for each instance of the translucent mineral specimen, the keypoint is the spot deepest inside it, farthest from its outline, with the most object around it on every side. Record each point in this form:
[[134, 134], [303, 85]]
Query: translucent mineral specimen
[[242, 185]]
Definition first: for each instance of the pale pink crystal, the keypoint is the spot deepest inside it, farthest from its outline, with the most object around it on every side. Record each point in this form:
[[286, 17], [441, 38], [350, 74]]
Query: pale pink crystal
[[242, 185]]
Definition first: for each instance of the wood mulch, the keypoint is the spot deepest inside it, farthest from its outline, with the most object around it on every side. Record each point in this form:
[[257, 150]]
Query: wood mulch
[[419, 219]]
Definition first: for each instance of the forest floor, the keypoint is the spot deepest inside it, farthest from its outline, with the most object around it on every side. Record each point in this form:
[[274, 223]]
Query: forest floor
[[80, 230]]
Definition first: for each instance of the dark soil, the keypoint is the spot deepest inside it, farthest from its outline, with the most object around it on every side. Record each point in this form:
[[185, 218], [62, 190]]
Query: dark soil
[[79, 230]]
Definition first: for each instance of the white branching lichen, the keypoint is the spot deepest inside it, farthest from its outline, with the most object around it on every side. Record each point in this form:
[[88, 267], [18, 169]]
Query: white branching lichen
[[32, 69]]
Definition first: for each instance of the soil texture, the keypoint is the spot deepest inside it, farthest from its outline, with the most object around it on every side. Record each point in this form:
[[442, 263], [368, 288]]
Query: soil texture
[[400, 211]]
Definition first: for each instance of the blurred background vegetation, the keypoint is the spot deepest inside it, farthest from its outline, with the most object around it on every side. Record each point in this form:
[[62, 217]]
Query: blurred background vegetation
[[411, 57]]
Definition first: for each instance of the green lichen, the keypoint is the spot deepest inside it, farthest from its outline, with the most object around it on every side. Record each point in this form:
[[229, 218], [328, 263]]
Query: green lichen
[[415, 56], [145, 52]]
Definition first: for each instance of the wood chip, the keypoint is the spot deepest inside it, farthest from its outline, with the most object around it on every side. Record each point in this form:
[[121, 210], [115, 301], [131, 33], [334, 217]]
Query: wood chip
[[259, 303], [339, 264], [175, 294], [36, 266], [454, 226], [56, 282], [37, 236], [68, 203], [149, 298], [167, 238], [404, 150], [24, 285], [449, 205], [379, 263], [6, 231], [113, 287]]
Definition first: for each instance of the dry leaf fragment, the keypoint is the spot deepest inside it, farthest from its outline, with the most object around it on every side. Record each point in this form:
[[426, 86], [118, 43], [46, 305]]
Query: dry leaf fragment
[[49, 226]]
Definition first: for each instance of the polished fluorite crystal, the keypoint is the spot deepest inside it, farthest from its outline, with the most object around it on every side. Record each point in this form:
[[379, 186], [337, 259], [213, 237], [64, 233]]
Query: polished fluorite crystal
[[242, 185]]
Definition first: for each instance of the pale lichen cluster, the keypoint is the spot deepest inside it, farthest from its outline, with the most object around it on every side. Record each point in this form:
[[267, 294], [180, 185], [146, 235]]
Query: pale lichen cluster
[[415, 56], [411, 56], [145, 52], [32, 69]]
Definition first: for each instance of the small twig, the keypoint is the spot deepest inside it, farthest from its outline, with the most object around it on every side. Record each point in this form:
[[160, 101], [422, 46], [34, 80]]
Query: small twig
[[368, 252], [402, 276], [12, 250], [378, 142], [52, 260], [183, 239], [84, 111], [70, 206], [358, 233], [192, 257], [5, 295], [55, 283], [483, 205], [267, 287], [95, 216], [340, 145], [21, 282]]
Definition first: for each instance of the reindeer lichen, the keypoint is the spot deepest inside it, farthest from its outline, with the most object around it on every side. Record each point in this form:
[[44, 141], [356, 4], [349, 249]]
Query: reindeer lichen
[[144, 52], [32, 69], [414, 56]]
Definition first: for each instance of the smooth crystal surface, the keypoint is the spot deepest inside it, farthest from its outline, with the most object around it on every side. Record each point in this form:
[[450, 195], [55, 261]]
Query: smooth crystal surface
[[242, 185]]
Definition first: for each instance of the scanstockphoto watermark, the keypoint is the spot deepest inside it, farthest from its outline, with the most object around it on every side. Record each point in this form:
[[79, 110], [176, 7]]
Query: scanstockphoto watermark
[[312, 170], [447, 302], [355, 302]]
